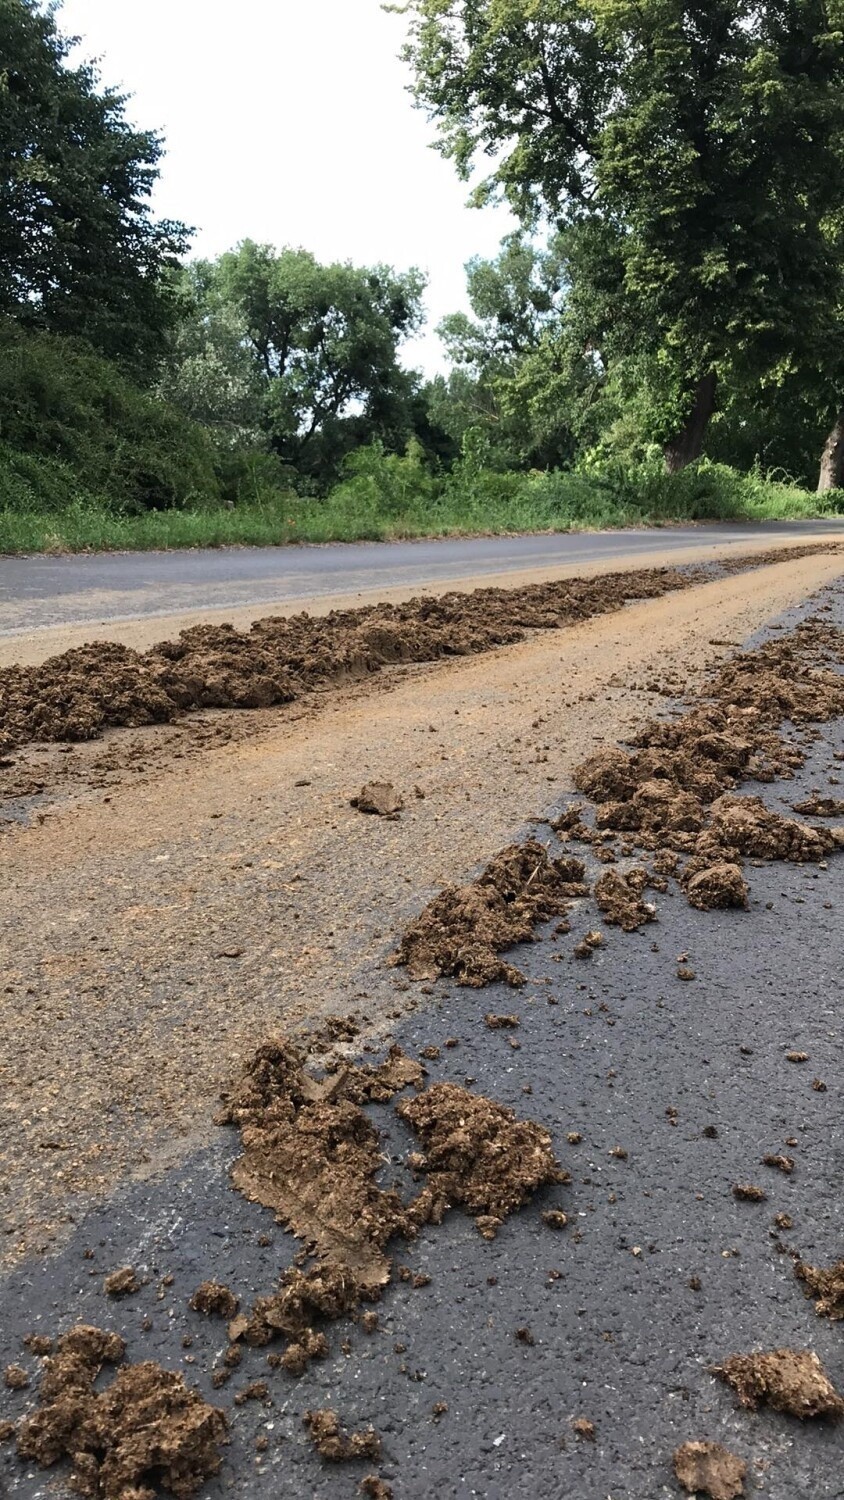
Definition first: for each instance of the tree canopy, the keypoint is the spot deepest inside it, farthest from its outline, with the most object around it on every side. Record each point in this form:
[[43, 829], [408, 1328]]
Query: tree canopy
[[704, 138], [521, 382], [305, 353], [80, 250], [675, 287]]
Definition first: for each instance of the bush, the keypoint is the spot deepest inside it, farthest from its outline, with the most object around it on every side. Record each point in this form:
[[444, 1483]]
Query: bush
[[72, 424], [385, 485], [45, 504]]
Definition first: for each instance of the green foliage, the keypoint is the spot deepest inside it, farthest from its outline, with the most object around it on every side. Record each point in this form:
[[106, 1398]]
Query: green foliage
[[388, 496], [300, 354], [514, 298], [387, 485], [682, 162], [72, 426], [694, 153], [210, 372], [521, 377], [79, 250]]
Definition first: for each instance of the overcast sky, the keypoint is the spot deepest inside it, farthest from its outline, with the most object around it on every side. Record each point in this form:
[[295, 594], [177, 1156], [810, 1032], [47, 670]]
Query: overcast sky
[[288, 121]]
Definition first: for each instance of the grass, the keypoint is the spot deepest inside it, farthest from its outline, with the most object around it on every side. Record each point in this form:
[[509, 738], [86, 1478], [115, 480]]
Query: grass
[[392, 498]]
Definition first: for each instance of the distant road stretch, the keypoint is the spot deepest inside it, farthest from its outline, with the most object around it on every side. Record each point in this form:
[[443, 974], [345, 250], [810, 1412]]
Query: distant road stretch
[[41, 592]]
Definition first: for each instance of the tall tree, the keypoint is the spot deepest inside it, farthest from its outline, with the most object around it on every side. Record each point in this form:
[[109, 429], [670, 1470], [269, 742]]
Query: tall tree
[[80, 251], [524, 376], [211, 373], [310, 350], [704, 135]]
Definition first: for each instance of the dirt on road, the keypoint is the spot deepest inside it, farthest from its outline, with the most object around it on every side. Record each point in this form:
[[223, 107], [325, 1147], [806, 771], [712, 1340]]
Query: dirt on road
[[165, 911]]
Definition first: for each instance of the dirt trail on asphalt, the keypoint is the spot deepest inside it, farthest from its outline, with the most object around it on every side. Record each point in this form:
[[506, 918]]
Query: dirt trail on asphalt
[[29, 647], [159, 925]]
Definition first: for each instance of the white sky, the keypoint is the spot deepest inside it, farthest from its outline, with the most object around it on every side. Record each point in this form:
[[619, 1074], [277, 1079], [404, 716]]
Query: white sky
[[287, 121]]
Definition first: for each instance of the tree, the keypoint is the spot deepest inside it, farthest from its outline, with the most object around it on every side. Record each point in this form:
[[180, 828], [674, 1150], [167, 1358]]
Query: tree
[[704, 138], [211, 373], [309, 351], [80, 251], [831, 476], [75, 429], [522, 376], [514, 299]]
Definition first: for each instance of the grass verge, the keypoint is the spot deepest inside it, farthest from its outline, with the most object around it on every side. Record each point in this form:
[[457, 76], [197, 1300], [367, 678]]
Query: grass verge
[[390, 502]]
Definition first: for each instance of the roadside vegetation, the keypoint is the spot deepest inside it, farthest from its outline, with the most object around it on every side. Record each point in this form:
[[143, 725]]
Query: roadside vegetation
[[364, 508], [661, 341]]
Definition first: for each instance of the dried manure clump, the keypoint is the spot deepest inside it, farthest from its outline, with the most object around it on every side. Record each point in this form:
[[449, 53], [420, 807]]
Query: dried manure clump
[[478, 1154], [717, 887], [673, 793], [144, 1430], [335, 1445], [747, 825], [706, 1468], [303, 1299], [121, 1283], [619, 898], [817, 806], [466, 928], [825, 1287], [375, 1488], [789, 1380], [312, 1155], [77, 695], [748, 1192], [214, 1300]]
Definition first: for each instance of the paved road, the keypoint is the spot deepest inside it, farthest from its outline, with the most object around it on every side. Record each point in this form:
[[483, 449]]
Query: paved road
[[623, 1052], [36, 592]]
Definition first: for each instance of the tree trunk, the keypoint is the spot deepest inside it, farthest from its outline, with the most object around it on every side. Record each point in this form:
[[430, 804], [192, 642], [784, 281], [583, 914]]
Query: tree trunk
[[686, 446], [832, 458]]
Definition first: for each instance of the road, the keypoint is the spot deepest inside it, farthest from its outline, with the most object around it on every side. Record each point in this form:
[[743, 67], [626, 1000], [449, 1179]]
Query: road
[[40, 592], [172, 898], [621, 1052]]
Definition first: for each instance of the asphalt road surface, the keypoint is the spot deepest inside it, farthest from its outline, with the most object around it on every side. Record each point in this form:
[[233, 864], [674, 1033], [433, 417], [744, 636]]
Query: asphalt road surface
[[622, 1051], [36, 592]]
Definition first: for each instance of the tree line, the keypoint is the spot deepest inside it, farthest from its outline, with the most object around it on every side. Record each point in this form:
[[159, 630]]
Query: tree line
[[674, 288]]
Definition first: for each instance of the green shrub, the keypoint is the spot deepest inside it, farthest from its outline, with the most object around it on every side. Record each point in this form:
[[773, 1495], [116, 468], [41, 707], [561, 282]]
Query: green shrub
[[92, 432], [45, 505]]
